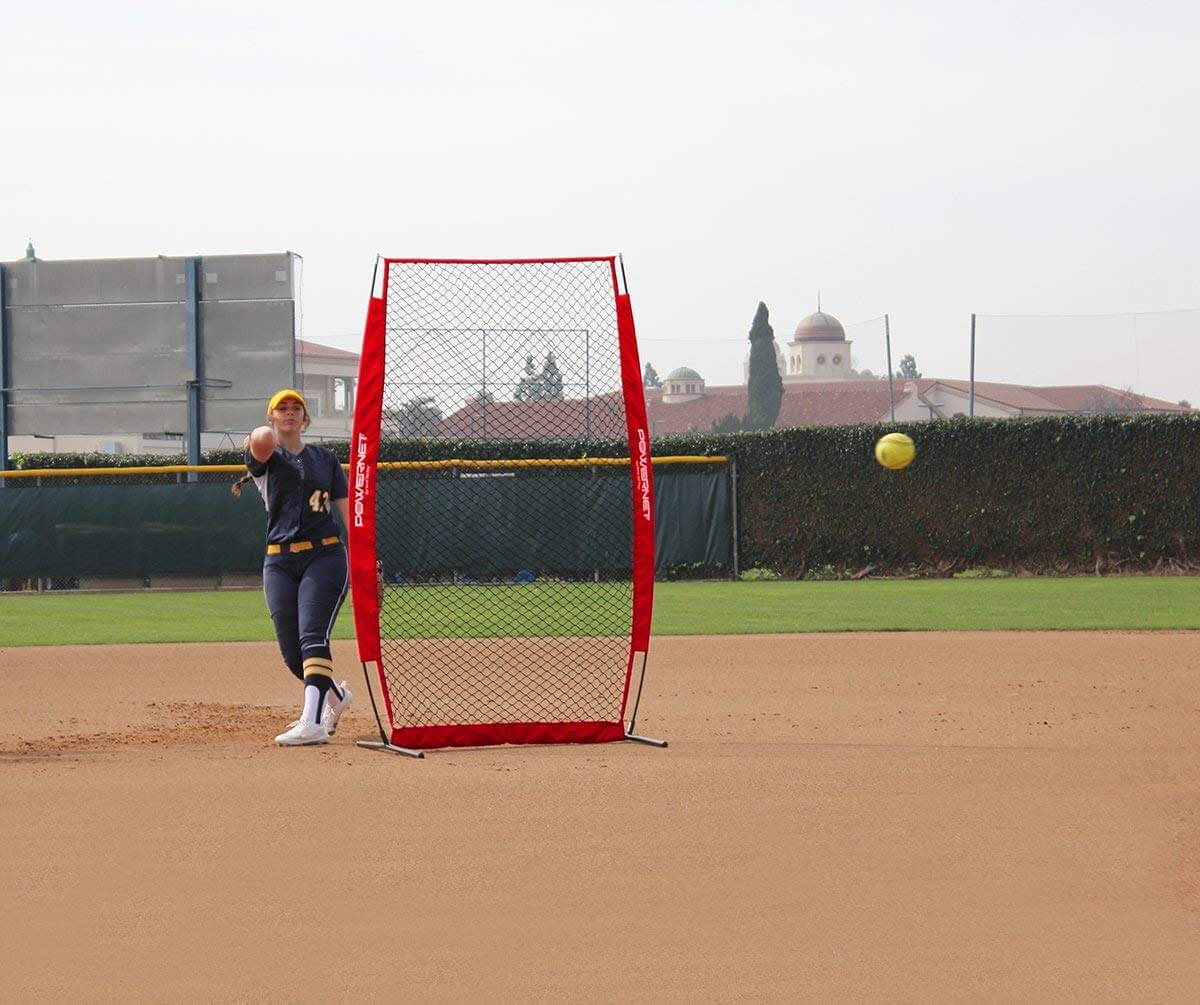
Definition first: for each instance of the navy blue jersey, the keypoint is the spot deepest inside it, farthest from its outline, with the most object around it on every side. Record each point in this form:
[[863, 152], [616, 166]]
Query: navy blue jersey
[[298, 490]]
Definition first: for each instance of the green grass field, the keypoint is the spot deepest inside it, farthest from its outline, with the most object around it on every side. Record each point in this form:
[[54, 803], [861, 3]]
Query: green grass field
[[707, 608]]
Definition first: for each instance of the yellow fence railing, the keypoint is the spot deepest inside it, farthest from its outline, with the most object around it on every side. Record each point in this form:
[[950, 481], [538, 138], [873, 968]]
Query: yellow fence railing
[[453, 462]]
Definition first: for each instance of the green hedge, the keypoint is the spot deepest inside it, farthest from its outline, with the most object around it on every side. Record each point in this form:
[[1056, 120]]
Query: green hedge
[[390, 450], [1097, 493], [31, 461]]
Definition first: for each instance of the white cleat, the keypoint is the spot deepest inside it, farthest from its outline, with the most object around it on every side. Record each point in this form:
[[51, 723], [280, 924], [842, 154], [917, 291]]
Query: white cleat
[[334, 709], [303, 734]]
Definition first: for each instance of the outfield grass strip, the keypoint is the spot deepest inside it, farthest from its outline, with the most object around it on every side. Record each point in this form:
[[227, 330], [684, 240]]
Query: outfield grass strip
[[699, 608]]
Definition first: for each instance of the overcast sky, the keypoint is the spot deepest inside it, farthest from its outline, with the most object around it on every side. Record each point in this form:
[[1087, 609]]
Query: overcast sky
[[923, 159]]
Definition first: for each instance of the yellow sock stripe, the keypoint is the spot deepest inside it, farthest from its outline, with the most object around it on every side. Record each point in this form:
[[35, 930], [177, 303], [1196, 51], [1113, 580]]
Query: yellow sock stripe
[[319, 667]]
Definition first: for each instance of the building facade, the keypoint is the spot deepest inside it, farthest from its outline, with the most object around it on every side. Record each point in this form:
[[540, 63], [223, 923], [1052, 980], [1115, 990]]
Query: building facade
[[818, 350], [327, 377]]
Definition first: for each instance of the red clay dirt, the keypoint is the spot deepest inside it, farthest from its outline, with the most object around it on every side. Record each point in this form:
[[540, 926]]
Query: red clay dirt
[[975, 817]]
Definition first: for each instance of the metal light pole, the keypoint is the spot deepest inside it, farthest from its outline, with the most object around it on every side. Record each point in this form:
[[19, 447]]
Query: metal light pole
[[192, 376], [887, 337], [971, 392]]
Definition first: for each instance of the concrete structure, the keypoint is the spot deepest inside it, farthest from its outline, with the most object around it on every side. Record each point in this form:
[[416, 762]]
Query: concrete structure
[[327, 376], [149, 345]]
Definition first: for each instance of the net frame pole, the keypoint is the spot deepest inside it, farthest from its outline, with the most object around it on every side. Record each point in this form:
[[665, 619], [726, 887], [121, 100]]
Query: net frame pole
[[629, 733], [642, 483], [641, 470], [648, 740], [383, 743], [3, 378], [390, 748]]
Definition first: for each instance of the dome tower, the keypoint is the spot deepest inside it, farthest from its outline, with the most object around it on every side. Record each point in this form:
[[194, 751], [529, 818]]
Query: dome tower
[[682, 384], [819, 350]]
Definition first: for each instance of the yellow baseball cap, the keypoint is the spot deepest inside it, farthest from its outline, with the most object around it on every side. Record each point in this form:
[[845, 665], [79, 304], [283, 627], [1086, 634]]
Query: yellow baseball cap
[[282, 395]]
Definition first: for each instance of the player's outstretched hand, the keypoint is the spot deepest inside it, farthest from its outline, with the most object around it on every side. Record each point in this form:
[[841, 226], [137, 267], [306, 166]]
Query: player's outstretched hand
[[261, 443]]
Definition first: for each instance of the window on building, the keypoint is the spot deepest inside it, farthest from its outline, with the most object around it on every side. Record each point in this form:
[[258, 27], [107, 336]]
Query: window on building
[[341, 394]]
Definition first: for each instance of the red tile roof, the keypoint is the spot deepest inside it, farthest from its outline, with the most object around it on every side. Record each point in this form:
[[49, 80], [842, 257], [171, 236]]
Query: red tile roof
[[824, 403], [815, 403], [573, 418], [1063, 398], [316, 349]]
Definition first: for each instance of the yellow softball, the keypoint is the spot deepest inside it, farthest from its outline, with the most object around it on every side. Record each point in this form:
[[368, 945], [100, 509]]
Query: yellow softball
[[895, 451]]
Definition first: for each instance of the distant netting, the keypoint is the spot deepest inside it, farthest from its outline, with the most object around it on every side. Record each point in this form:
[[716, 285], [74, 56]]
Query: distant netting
[[505, 587]]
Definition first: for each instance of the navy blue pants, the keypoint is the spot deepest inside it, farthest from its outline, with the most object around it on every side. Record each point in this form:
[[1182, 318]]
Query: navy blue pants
[[304, 592]]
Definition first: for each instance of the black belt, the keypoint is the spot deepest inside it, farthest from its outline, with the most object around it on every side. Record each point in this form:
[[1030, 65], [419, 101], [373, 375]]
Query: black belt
[[275, 549]]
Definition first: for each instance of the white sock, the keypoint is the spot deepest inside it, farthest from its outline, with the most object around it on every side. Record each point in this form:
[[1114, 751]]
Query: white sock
[[312, 697]]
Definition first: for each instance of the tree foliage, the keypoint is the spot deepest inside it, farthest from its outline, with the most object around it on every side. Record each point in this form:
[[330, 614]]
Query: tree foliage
[[418, 417], [1108, 399], [543, 386], [650, 377], [908, 368], [729, 423], [764, 386]]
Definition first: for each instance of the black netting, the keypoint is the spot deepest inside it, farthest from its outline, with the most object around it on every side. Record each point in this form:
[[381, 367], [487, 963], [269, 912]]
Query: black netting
[[505, 586], [125, 529]]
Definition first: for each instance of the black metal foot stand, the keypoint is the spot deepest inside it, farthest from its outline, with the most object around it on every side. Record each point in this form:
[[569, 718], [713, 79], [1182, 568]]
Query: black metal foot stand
[[391, 748], [650, 741]]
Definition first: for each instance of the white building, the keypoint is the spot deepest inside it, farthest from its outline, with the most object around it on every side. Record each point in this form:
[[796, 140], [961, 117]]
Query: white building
[[682, 384], [328, 378], [819, 350]]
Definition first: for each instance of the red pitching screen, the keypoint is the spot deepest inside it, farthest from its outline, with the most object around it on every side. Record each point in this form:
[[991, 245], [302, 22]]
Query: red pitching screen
[[502, 502]]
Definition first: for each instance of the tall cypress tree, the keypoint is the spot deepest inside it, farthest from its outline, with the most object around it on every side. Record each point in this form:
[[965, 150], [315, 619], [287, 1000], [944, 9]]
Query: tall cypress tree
[[764, 386], [552, 382], [527, 386]]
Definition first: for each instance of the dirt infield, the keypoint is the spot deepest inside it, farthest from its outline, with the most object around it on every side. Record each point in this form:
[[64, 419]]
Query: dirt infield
[[866, 817]]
